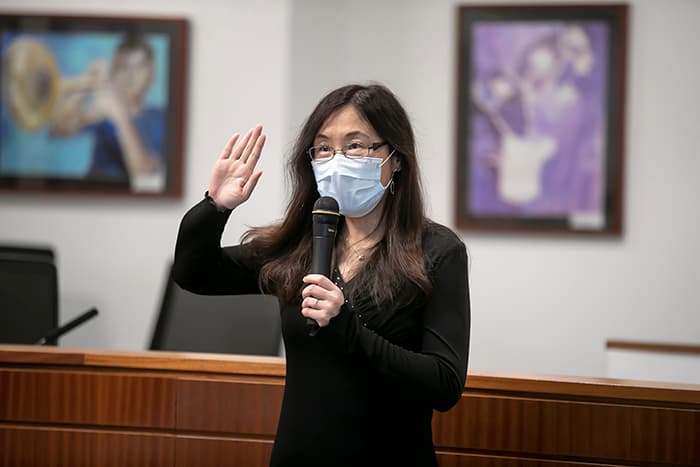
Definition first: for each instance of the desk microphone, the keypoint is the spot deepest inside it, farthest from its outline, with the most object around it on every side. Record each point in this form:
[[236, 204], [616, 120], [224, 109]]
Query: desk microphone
[[52, 337], [325, 216]]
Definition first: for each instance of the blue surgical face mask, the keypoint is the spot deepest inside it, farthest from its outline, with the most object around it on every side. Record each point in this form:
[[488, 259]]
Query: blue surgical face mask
[[355, 183]]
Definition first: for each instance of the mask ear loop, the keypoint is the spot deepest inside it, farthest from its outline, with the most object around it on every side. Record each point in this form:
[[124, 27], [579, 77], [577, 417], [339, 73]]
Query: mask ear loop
[[389, 185], [392, 183], [387, 158]]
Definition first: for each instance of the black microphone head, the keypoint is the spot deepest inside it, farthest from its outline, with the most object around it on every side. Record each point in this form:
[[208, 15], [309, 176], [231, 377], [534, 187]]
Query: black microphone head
[[326, 203], [326, 211]]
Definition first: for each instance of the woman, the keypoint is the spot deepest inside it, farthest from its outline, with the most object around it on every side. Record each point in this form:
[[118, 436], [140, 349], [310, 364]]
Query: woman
[[393, 318]]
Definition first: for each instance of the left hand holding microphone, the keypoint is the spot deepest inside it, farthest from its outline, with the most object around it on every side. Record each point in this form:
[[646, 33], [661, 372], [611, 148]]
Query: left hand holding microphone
[[321, 299]]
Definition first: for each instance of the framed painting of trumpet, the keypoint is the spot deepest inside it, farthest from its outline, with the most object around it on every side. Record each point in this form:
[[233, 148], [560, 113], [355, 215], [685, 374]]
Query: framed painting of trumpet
[[540, 127], [92, 104]]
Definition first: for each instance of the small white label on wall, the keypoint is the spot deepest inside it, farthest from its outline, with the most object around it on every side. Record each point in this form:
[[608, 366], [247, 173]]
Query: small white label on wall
[[587, 220]]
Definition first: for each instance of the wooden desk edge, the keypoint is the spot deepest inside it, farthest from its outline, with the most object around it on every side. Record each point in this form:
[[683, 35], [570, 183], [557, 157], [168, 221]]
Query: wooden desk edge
[[481, 381]]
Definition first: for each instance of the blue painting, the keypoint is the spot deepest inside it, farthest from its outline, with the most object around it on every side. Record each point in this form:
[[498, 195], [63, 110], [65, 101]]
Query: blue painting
[[89, 105]]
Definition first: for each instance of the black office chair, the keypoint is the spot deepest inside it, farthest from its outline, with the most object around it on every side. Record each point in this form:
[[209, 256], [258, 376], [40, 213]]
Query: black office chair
[[28, 293], [233, 324]]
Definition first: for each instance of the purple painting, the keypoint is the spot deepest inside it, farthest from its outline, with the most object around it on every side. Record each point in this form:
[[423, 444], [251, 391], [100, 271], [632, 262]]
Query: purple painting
[[537, 134]]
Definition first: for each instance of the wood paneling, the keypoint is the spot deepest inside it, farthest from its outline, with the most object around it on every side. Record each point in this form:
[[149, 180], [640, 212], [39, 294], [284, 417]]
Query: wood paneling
[[476, 460], [84, 397], [77, 407], [16, 446], [49, 447], [192, 450], [571, 429], [229, 406]]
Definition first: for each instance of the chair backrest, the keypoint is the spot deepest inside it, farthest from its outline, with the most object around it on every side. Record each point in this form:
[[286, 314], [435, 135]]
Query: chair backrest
[[28, 293], [233, 324]]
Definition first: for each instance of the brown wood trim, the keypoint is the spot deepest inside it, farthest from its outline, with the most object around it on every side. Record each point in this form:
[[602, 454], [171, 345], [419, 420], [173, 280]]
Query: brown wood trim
[[71, 397], [39, 355], [197, 362], [249, 366], [584, 387], [153, 360], [569, 429], [210, 451], [502, 420], [206, 406], [452, 459], [661, 347], [66, 447]]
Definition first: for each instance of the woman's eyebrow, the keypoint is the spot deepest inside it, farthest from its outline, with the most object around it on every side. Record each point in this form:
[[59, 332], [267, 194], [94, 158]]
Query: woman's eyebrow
[[352, 134], [355, 133]]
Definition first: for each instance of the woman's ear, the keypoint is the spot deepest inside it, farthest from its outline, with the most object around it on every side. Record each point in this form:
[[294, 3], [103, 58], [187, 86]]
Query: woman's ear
[[395, 164]]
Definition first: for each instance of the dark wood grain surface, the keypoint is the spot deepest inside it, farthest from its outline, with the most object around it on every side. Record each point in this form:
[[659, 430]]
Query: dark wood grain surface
[[66, 407]]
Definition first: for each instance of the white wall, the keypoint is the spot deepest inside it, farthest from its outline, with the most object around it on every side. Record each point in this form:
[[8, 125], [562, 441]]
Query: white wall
[[539, 304], [112, 253], [653, 366]]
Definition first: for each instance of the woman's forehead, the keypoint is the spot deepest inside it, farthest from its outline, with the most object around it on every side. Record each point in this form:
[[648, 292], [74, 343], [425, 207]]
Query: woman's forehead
[[346, 122]]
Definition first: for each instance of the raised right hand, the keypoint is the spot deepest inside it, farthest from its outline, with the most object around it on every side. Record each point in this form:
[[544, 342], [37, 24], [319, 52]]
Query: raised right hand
[[234, 176]]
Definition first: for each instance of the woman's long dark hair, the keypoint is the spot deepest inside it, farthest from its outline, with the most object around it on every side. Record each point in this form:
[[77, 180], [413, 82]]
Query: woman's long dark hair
[[397, 263]]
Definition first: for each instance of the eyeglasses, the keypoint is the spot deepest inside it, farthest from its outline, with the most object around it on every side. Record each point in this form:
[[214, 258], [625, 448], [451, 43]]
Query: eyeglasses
[[324, 152]]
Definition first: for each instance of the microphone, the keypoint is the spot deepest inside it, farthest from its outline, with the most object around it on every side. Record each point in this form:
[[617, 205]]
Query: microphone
[[325, 217], [52, 337]]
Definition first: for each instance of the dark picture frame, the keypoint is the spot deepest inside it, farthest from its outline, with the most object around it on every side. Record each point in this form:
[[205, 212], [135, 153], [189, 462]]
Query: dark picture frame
[[540, 118], [92, 104]]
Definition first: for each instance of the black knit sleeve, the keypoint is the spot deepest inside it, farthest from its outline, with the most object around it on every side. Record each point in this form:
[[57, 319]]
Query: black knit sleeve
[[201, 265], [437, 372]]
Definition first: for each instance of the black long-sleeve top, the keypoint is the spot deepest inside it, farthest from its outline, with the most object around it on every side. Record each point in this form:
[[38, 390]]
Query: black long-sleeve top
[[362, 391]]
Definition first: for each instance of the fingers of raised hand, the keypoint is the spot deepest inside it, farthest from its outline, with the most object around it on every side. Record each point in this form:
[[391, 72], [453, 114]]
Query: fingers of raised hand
[[252, 156], [249, 184], [234, 176], [226, 152], [242, 151], [239, 146], [239, 156], [251, 145]]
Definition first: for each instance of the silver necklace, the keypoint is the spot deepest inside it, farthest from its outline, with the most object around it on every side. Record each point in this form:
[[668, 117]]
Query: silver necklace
[[360, 257], [357, 254]]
